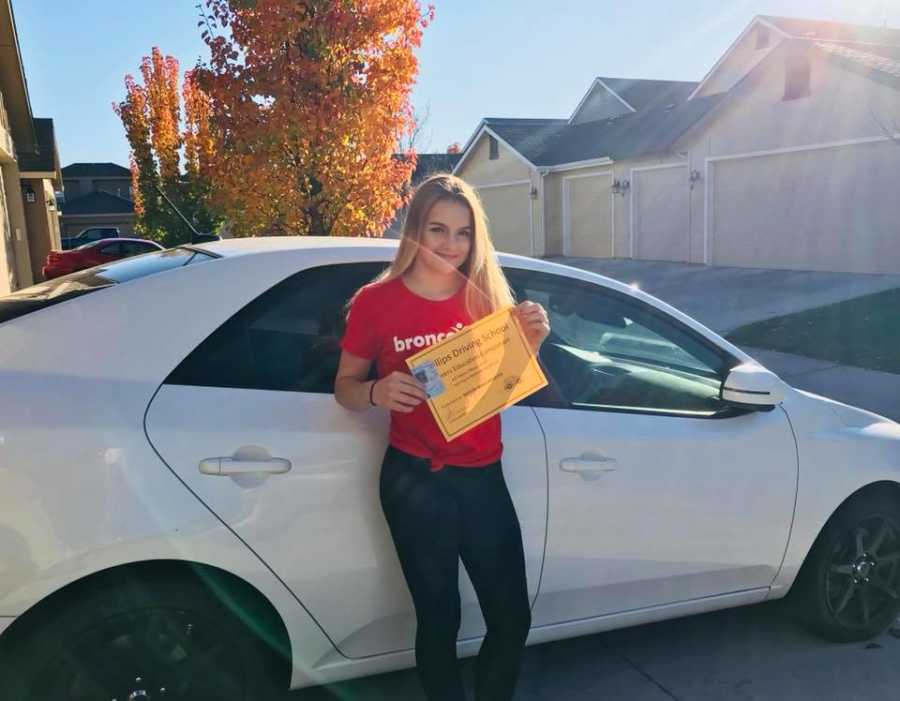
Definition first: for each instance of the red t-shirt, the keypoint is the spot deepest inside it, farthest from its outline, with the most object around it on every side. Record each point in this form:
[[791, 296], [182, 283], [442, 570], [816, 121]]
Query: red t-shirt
[[388, 323]]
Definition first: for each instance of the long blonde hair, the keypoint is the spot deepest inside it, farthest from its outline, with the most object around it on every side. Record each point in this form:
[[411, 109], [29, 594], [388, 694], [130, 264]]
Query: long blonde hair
[[486, 287]]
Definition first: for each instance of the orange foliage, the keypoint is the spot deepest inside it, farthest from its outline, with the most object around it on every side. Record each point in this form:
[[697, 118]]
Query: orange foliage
[[151, 115], [161, 87], [134, 113], [197, 135], [310, 100]]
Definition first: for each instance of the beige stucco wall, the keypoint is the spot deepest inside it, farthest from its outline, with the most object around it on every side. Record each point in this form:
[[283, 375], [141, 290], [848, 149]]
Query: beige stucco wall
[[20, 259], [479, 169], [744, 56], [7, 252], [42, 224], [512, 226], [840, 107]]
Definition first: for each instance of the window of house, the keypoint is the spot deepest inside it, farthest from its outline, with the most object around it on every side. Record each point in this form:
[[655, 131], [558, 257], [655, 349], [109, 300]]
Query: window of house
[[287, 339], [762, 37], [796, 77], [607, 351], [494, 148]]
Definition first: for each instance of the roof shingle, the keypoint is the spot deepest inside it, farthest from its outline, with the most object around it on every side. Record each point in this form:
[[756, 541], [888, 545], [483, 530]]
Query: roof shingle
[[98, 203], [834, 31], [879, 68], [95, 170], [647, 94]]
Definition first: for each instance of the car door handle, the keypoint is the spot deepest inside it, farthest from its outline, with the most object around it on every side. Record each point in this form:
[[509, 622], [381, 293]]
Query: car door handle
[[231, 466], [589, 466]]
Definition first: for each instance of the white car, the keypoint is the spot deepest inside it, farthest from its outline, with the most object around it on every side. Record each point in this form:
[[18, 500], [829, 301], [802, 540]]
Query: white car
[[186, 511]]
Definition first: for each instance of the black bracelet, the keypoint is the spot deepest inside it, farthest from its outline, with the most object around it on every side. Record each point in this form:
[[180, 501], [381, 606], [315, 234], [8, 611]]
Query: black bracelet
[[371, 391]]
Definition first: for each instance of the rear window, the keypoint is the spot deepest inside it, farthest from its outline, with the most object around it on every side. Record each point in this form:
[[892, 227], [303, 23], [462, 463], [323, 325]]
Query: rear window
[[45, 294]]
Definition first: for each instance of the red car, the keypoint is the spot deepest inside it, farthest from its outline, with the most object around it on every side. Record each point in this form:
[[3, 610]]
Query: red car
[[96, 253]]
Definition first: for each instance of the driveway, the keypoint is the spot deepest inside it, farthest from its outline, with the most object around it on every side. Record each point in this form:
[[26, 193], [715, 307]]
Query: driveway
[[725, 298], [734, 655]]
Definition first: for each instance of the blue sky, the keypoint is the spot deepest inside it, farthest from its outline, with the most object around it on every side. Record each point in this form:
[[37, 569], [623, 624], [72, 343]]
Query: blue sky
[[502, 58]]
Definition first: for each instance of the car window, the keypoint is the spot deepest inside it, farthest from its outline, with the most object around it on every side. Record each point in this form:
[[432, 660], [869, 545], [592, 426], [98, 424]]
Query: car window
[[111, 249], [130, 248], [287, 339], [50, 292], [609, 351]]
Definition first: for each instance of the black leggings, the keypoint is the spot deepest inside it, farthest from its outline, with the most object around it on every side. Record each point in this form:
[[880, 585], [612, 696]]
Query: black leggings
[[436, 518]]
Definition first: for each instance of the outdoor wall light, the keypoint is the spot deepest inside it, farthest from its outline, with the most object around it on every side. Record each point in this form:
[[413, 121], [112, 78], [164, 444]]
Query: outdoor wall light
[[620, 187], [695, 176], [533, 192]]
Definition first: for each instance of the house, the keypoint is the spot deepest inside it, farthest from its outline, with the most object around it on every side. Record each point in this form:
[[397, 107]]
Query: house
[[97, 194], [785, 155], [29, 171], [426, 164]]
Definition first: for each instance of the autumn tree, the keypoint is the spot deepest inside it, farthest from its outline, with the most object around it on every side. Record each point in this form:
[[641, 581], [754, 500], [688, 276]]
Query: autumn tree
[[151, 115], [310, 101]]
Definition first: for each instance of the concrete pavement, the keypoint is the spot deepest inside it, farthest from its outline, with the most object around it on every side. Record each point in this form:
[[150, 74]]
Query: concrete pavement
[[867, 389], [724, 298], [752, 653]]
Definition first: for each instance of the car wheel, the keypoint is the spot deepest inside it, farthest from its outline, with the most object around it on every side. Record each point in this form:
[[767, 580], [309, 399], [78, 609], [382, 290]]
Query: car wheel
[[145, 640], [850, 585]]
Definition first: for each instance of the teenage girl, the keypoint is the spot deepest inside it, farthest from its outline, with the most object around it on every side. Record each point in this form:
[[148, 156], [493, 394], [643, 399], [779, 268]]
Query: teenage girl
[[443, 500]]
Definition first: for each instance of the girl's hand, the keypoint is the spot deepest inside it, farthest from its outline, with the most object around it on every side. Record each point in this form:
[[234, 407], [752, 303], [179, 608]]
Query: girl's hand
[[535, 323], [398, 392]]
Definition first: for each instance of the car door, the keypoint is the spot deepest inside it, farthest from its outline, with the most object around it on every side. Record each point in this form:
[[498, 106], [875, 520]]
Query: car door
[[249, 422], [659, 492]]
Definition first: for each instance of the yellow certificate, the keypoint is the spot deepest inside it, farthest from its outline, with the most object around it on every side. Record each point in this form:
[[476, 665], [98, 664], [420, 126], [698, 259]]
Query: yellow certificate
[[477, 372]]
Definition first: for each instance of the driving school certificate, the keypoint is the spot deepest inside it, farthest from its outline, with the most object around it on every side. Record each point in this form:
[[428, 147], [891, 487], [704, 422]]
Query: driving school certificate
[[477, 372]]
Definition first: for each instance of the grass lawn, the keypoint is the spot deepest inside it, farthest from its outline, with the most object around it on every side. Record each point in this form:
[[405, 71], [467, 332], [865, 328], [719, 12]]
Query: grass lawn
[[864, 332]]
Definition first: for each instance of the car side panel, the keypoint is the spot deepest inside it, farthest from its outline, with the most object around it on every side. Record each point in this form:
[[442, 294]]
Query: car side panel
[[836, 460]]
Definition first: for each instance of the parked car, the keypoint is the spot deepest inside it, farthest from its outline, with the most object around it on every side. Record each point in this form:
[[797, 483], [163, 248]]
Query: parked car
[[184, 505], [90, 235], [95, 253]]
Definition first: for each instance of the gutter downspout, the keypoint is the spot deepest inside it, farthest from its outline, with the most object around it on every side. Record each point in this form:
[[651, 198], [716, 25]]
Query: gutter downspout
[[542, 173]]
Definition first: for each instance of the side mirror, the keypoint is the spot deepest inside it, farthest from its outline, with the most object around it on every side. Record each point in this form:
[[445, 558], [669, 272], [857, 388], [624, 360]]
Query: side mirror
[[751, 386]]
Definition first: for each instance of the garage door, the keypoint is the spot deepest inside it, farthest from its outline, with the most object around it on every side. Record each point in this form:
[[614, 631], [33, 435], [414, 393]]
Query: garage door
[[587, 219], [507, 208], [821, 209], [661, 206]]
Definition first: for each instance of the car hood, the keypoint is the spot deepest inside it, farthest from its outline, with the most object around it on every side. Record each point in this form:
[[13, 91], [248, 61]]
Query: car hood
[[849, 415]]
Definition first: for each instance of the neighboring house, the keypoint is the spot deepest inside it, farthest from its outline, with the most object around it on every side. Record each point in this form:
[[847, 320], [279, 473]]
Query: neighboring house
[[783, 156], [29, 171], [97, 194], [426, 164]]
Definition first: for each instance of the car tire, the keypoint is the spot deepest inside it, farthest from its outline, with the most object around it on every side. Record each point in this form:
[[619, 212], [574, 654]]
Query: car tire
[[141, 638], [849, 587]]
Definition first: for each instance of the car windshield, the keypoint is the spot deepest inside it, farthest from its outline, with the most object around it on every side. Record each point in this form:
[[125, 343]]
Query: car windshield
[[45, 294]]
